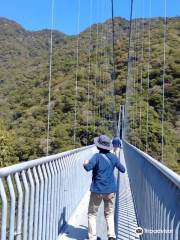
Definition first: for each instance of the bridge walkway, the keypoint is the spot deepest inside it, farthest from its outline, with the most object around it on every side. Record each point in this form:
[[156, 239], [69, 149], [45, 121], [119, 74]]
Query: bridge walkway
[[125, 215]]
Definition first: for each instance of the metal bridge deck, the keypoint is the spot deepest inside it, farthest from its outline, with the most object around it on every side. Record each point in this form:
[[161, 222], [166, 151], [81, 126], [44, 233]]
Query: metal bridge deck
[[125, 215], [125, 211]]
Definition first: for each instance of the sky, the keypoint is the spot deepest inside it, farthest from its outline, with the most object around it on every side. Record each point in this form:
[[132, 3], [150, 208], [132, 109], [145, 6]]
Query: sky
[[37, 14]]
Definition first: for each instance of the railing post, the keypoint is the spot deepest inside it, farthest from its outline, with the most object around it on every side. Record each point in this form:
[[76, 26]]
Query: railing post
[[12, 212], [20, 204], [4, 210]]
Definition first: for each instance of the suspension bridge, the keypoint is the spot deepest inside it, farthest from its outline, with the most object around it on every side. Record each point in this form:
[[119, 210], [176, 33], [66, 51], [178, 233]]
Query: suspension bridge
[[47, 198]]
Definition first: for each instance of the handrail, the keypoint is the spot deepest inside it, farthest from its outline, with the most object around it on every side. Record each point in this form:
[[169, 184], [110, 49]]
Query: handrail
[[38, 197], [156, 195], [5, 171], [174, 177]]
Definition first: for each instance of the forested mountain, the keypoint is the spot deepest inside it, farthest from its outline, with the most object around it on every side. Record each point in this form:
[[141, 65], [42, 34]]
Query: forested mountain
[[24, 84]]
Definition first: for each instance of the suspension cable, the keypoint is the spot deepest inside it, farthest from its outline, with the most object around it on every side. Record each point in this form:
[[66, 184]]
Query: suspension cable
[[149, 59], [138, 59], [137, 75], [128, 74], [109, 82], [107, 69], [50, 77], [133, 78], [97, 49], [163, 84], [76, 77], [142, 62], [100, 61], [106, 62], [103, 68], [114, 69], [88, 95]]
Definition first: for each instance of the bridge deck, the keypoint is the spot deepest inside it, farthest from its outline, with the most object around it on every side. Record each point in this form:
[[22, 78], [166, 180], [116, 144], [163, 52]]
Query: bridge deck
[[125, 213]]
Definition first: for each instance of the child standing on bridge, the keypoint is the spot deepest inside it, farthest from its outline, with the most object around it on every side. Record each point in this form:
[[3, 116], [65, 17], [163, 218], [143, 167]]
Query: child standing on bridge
[[103, 186], [116, 142]]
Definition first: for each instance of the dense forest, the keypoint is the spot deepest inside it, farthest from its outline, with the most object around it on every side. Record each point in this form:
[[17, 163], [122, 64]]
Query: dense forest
[[82, 88]]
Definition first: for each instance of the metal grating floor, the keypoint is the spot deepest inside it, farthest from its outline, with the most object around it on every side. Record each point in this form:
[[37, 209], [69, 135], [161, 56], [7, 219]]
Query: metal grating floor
[[125, 212]]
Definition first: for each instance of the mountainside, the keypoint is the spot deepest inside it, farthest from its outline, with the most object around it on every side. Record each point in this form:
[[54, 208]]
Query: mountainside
[[24, 83]]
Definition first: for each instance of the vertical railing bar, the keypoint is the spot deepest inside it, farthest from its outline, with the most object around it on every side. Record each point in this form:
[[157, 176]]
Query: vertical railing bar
[[73, 198], [70, 186], [153, 206], [64, 189], [58, 192], [48, 203], [52, 201], [41, 201], [44, 227], [148, 207], [67, 188], [55, 199], [20, 205], [36, 208], [31, 207], [172, 224], [75, 177], [4, 211], [12, 211], [26, 205], [166, 221], [177, 228], [160, 217], [156, 209], [61, 196], [77, 156], [168, 225]]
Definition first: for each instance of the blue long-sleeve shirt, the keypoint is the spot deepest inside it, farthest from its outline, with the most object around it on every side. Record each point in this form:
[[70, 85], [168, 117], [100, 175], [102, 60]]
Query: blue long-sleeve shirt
[[103, 179]]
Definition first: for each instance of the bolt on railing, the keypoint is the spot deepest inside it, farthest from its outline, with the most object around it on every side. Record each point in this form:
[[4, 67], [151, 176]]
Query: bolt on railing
[[37, 197], [156, 193]]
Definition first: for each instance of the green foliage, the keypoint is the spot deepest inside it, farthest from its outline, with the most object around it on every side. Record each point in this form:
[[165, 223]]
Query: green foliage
[[7, 149], [24, 82]]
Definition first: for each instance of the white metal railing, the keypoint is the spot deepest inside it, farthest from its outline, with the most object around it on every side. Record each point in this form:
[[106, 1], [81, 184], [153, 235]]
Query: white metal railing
[[156, 193], [37, 197]]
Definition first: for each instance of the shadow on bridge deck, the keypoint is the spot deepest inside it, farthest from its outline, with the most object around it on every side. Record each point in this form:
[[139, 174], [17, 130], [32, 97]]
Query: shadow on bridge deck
[[126, 222]]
